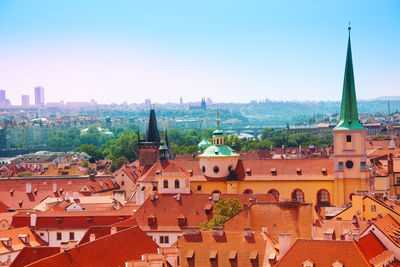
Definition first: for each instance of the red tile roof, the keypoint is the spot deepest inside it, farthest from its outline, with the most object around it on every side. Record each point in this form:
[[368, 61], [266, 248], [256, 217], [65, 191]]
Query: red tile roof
[[286, 169], [99, 231], [111, 250], [13, 191], [166, 209], [71, 220], [371, 246], [324, 253], [29, 255]]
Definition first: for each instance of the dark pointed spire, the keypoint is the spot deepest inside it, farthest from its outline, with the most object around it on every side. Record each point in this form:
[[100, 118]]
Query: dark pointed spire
[[348, 111], [152, 133]]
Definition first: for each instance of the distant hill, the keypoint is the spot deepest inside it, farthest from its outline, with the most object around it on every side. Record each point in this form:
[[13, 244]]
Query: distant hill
[[388, 98]]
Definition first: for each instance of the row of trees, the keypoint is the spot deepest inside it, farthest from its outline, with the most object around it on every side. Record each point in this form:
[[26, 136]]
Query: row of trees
[[121, 146]]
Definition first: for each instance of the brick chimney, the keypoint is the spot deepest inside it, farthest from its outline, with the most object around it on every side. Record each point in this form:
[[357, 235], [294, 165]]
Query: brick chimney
[[284, 243], [92, 237], [113, 230]]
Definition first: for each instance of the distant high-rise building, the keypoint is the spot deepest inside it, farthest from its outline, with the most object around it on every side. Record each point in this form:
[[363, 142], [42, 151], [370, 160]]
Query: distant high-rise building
[[147, 102], [2, 96], [39, 95], [203, 104], [181, 101], [25, 100]]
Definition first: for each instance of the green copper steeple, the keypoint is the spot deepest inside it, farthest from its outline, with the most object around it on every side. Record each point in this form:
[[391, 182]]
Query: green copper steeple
[[348, 111]]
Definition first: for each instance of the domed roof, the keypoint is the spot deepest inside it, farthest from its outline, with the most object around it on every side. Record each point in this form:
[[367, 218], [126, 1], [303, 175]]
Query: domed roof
[[218, 132], [218, 151], [204, 144]]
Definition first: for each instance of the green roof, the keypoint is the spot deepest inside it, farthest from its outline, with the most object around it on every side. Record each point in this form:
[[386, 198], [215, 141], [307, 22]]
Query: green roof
[[204, 144], [218, 132], [348, 111], [218, 151]]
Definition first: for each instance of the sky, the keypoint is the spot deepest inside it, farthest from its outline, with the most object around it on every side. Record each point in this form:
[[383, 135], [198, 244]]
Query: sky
[[229, 51]]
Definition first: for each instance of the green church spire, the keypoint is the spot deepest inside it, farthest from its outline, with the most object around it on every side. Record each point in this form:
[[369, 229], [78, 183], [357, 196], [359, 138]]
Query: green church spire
[[348, 111]]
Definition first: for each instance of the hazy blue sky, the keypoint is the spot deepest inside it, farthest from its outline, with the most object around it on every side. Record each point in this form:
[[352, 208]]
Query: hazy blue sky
[[115, 51]]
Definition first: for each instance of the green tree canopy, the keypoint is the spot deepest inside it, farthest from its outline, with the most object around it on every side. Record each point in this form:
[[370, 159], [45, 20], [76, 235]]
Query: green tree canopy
[[224, 209]]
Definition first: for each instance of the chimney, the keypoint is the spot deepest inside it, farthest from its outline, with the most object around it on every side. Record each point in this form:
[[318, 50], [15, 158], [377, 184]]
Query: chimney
[[75, 196], [33, 220], [191, 231], [218, 231], [119, 195], [66, 246], [92, 237], [54, 187], [390, 163], [284, 243], [28, 188], [356, 233], [328, 235], [113, 230]]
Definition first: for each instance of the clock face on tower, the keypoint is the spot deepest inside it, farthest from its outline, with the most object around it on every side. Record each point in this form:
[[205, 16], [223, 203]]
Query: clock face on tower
[[349, 164]]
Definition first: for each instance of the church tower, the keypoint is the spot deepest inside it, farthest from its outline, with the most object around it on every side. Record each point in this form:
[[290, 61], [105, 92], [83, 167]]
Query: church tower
[[350, 158], [149, 148]]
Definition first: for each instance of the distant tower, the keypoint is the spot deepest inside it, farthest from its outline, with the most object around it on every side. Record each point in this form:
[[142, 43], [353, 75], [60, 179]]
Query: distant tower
[[149, 148], [181, 101], [39, 95], [25, 100], [350, 157], [203, 103], [147, 102], [2, 96]]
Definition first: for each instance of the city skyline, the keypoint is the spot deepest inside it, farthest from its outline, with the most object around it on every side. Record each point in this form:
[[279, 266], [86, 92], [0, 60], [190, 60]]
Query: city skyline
[[128, 51]]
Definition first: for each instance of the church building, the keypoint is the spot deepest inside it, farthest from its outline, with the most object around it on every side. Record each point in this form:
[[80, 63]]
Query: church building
[[323, 181]]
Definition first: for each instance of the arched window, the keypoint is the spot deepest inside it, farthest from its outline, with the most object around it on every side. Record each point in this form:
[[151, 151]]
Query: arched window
[[298, 195], [248, 191], [323, 198], [275, 193], [165, 183], [216, 192], [176, 183]]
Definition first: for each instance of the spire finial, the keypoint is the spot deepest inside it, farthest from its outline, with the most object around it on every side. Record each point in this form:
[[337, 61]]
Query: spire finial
[[218, 118], [349, 28]]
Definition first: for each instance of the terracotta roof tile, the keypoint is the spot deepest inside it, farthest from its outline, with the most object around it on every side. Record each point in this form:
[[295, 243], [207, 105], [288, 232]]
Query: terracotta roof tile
[[371, 246], [111, 250], [232, 248], [323, 253], [30, 254], [166, 209]]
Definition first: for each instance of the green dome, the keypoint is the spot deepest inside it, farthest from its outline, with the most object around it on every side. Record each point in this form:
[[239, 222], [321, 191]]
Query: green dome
[[203, 145], [218, 151], [218, 132], [163, 146]]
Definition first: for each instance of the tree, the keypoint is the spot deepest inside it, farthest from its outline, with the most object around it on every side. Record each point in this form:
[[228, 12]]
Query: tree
[[224, 210], [91, 150], [116, 164]]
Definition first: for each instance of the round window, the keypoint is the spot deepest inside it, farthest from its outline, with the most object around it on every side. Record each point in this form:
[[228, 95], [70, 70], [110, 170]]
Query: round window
[[349, 164], [216, 169], [203, 169], [230, 168]]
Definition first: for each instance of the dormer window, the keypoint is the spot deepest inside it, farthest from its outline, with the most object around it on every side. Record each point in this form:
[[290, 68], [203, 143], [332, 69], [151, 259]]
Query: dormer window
[[273, 171], [6, 241], [298, 171], [308, 263], [24, 238], [165, 183], [248, 171], [151, 220], [348, 138], [324, 171]]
